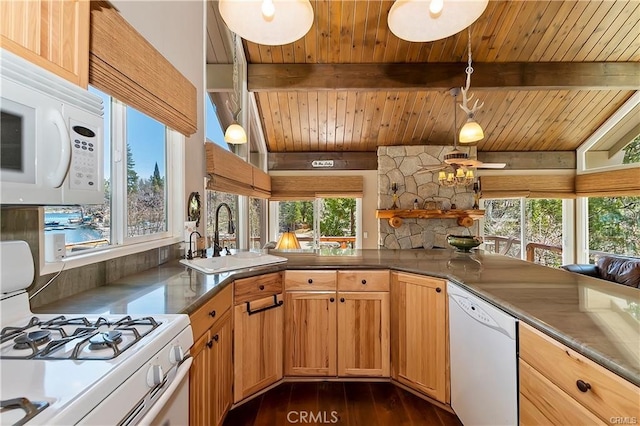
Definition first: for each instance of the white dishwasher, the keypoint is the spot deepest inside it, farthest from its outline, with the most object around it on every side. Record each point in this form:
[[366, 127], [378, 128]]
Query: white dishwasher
[[484, 374]]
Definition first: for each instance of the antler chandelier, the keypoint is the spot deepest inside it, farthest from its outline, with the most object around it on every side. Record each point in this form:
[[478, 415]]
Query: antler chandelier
[[471, 131]]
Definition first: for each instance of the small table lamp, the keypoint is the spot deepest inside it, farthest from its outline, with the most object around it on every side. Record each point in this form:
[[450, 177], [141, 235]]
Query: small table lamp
[[288, 241]]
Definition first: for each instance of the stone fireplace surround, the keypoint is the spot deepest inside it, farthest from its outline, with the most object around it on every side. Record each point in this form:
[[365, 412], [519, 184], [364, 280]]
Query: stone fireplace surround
[[401, 165]]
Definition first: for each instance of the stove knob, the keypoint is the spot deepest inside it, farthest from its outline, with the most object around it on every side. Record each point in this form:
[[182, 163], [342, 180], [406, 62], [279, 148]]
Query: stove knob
[[155, 375], [176, 355]]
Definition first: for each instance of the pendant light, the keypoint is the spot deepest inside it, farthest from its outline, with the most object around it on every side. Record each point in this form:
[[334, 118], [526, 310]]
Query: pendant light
[[471, 131], [235, 133], [268, 22]]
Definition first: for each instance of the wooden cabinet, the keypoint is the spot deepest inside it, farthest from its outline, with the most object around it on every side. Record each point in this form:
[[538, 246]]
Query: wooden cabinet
[[258, 335], [420, 344], [52, 34], [211, 374], [560, 386], [337, 323]]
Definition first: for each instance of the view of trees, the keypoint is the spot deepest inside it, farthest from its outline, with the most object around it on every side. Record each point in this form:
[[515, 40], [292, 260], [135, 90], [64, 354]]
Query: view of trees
[[146, 201]]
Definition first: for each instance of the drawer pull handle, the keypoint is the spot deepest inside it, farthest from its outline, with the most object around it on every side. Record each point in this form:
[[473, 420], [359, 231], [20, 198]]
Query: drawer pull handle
[[216, 337], [310, 281], [212, 314], [364, 282], [261, 287], [342, 299], [583, 386], [438, 289], [276, 304], [332, 300], [210, 344]]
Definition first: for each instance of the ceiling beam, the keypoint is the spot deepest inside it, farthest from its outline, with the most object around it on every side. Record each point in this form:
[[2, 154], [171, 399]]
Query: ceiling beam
[[323, 161], [625, 140], [530, 160], [443, 76]]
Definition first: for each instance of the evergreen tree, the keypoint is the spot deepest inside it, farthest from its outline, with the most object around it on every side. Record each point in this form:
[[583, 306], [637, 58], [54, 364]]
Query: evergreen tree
[[132, 175], [157, 181]]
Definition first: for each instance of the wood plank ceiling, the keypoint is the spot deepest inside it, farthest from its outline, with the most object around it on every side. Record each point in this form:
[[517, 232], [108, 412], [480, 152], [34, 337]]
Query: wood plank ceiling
[[536, 119]]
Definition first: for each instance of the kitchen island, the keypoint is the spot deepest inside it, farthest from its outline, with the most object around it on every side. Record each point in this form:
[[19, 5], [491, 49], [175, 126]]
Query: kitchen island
[[597, 319]]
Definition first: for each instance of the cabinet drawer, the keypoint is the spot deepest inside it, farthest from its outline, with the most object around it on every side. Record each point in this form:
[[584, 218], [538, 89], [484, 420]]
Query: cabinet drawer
[[310, 280], [363, 280], [205, 316], [608, 395], [253, 288]]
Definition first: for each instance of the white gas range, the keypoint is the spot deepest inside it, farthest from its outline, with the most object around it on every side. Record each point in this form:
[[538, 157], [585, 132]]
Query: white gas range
[[93, 370]]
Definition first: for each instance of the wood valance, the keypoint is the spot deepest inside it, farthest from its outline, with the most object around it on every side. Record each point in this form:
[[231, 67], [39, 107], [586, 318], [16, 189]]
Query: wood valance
[[529, 186], [610, 183], [126, 66], [309, 187], [230, 173]]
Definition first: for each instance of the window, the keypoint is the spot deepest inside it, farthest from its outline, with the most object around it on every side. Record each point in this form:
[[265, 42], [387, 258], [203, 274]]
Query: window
[[613, 221], [257, 226], [535, 224], [323, 223], [138, 171], [213, 130], [214, 201]]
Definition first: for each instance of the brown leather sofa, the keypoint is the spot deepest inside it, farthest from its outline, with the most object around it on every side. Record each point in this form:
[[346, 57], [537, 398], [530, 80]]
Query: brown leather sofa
[[617, 269]]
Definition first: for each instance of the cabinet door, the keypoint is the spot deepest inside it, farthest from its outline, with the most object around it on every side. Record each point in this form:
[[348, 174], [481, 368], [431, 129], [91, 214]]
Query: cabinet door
[[310, 333], [258, 346], [52, 34], [201, 382], [363, 334], [419, 323], [222, 369]]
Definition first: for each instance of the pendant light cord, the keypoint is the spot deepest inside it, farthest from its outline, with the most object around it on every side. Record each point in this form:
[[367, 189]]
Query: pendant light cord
[[235, 98], [469, 69]]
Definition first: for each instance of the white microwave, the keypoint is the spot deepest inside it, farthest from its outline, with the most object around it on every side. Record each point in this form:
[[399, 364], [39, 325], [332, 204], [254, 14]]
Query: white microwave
[[51, 138]]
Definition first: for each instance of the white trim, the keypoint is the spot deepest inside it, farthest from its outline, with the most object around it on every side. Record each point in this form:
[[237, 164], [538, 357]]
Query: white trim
[[359, 230], [523, 228], [581, 165], [569, 227], [582, 230]]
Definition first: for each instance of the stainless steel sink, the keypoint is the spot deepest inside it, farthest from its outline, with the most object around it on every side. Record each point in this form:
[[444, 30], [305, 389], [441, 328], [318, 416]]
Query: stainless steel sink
[[241, 260]]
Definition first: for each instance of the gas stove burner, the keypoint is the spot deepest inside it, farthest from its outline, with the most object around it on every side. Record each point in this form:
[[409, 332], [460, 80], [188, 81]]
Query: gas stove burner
[[104, 340], [34, 338]]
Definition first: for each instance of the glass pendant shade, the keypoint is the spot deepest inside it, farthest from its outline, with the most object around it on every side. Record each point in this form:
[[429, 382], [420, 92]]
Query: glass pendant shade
[[235, 134], [471, 132], [268, 22], [422, 20], [288, 241]]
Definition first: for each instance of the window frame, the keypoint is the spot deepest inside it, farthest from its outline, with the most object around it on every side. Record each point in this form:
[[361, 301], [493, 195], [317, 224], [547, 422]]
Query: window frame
[[121, 245]]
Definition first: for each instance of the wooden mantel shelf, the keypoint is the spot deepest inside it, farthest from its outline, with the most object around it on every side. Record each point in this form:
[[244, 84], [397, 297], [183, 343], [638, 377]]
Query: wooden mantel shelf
[[395, 216]]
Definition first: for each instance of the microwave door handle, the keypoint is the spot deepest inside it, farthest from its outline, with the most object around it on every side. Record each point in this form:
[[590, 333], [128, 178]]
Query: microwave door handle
[[56, 177]]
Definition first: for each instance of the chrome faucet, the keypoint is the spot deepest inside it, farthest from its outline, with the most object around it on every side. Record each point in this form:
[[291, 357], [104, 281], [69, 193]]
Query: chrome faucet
[[190, 253], [216, 235]]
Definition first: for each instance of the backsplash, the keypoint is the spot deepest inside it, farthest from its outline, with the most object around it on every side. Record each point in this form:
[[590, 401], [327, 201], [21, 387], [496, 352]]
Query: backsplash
[[23, 223], [401, 165]]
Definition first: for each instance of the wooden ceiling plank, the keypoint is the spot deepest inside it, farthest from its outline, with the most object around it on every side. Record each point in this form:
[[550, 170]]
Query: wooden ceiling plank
[[513, 137], [561, 102], [322, 35], [335, 30], [265, 56], [625, 50], [543, 19], [587, 29], [564, 127], [285, 121], [402, 132], [435, 106], [551, 135], [508, 133], [341, 119], [332, 102], [498, 15], [310, 40], [598, 33], [382, 34], [299, 51], [552, 30], [345, 32], [373, 124], [303, 114], [492, 102], [527, 140], [288, 53], [322, 121], [314, 130], [358, 118], [443, 76], [524, 22], [495, 133], [409, 136], [367, 118], [626, 34], [358, 28], [370, 32], [350, 112], [276, 124], [564, 37], [296, 121], [398, 119], [387, 117], [503, 31], [262, 100]]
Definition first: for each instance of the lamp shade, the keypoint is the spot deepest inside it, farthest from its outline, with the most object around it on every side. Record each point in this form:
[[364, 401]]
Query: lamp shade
[[288, 241], [269, 22], [412, 20], [471, 132], [235, 134]]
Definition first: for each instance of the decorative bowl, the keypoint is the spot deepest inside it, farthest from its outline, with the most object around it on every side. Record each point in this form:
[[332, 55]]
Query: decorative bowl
[[464, 242]]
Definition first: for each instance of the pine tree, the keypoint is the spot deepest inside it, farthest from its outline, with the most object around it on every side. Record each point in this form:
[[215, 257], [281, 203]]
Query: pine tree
[[132, 175]]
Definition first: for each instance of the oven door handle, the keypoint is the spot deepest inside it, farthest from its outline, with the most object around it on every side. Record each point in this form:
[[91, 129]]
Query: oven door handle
[[183, 370]]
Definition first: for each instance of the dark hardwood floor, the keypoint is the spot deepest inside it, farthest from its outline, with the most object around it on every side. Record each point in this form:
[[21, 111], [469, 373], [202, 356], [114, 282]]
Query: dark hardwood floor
[[346, 404]]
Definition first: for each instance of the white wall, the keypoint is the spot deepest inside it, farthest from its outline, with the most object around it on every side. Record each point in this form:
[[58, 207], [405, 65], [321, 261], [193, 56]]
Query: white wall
[[177, 30]]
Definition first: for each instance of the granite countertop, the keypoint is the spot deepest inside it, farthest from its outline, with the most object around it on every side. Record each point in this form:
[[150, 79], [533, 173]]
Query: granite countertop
[[598, 319]]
